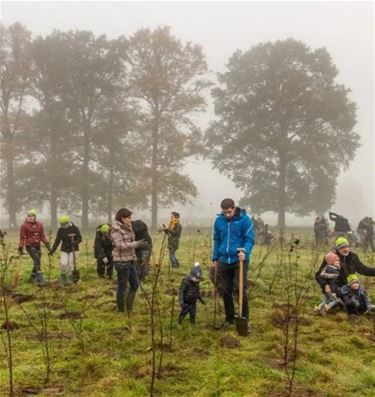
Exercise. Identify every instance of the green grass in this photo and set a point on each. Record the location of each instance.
(336, 355)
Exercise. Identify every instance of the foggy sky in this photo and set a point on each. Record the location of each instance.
(344, 28)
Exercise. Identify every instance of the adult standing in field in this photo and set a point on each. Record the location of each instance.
(143, 254)
(233, 229)
(321, 230)
(124, 258)
(365, 231)
(173, 231)
(31, 236)
(69, 236)
(103, 251)
(342, 226)
(349, 264)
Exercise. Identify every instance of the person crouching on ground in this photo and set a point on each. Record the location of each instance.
(330, 273)
(103, 251)
(355, 297)
(70, 237)
(124, 258)
(189, 294)
(349, 264)
(32, 235)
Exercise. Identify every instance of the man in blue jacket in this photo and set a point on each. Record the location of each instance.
(233, 229)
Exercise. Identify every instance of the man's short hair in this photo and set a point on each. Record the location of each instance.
(227, 203)
(175, 214)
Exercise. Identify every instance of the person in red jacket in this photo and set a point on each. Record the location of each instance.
(31, 236)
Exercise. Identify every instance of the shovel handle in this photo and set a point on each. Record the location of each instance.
(240, 288)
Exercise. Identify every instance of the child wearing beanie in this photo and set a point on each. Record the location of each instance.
(330, 273)
(355, 297)
(190, 293)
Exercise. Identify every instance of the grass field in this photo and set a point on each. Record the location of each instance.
(95, 351)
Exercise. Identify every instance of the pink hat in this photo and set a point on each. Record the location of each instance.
(331, 258)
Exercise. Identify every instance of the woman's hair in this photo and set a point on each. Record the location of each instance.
(122, 213)
(175, 214)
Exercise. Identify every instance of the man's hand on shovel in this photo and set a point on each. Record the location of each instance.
(241, 254)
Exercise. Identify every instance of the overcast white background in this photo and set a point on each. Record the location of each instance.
(344, 28)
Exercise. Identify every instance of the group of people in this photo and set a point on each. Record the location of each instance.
(342, 228)
(263, 235)
(125, 246)
(339, 282)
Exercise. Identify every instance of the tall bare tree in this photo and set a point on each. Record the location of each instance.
(285, 127)
(15, 77)
(167, 81)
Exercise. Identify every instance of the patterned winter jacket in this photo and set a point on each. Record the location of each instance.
(123, 241)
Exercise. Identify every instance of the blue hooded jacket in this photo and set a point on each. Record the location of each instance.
(230, 235)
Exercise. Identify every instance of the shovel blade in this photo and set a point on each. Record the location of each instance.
(76, 276)
(241, 326)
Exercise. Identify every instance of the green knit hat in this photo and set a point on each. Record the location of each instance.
(342, 242)
(64, 219)
(352, 278)
(104, 228)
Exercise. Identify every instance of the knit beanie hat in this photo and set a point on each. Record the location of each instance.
(196, 271)
(342, 242)
(352, 278)
(331, 258)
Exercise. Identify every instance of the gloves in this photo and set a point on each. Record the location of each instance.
(142, 244)
(20, 251)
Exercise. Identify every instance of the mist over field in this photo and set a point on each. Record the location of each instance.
(344, 29)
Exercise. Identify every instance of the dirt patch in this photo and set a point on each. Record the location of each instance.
(141, 372)
(70, 316)
(56, 306)
(198, 351)
(170, 370)
(107, 303)
(10, 325)
(171, 292)
(30, 390)
(88, 297)
(229, 342)
(21, 298)
(53, 391)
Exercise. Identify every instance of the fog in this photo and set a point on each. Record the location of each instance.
(344, 28)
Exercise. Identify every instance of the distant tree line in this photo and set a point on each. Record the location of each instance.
(90, 123)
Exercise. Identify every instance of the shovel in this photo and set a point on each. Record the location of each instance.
(241, 322)
(75, 272)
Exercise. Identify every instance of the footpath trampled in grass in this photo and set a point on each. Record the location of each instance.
(92, 350)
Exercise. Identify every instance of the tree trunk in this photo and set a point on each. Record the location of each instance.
(10, 194)
(85, 180)
(154, 169)
(281, 195)
(110, 196)
(53, 208)
(52, 172)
